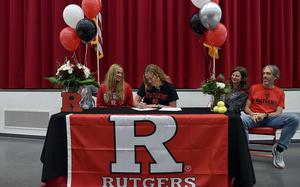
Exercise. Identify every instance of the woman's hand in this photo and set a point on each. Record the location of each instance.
(141, 105)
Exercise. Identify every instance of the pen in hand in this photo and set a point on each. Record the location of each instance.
(141, 104)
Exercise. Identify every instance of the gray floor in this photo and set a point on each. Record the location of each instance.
(20, 165)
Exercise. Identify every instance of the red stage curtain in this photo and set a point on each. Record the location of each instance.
(140, 32)
(260, 33)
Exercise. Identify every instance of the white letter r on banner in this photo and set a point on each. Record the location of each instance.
(125, 142)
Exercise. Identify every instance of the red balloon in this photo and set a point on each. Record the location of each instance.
(91, 8)
(217, 36)
(69, 39)
(215, 1)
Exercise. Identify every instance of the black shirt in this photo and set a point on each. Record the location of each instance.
(164, 95)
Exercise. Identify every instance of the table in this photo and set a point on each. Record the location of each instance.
(54, 153)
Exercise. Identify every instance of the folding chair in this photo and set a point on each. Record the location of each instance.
(260, 149)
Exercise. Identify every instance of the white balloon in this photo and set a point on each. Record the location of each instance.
(200, 3)
(72, 14)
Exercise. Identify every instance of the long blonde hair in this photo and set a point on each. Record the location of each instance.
(113, 86)
(157, 71)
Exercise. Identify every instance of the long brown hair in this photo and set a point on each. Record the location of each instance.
(112, 85)
(158, 72)
(244, 84)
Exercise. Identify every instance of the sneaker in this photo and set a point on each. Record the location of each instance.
(277, 158)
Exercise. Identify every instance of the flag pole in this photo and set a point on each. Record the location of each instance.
(98, 42)
(97, 52)
(98, 68)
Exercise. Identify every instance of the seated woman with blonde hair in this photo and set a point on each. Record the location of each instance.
(114, 92)
(157, 89)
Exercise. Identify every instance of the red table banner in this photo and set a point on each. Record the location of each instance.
(147, 150)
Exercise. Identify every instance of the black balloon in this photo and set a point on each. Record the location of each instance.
(196, 25)
(86, 30)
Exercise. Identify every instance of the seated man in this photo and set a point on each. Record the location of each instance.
(264, 108)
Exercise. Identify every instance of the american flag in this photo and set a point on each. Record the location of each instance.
(97, 43)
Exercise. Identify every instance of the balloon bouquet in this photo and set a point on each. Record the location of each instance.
(79, 28)
(207, 22)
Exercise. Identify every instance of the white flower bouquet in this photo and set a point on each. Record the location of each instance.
(72, 76)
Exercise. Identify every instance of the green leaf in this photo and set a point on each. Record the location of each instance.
(89, 82)
(53, 80)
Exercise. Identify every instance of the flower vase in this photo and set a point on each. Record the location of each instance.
(215, 99)
(72, 89)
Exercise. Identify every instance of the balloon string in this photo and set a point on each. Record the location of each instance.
(210, 67)
(214, 69)
(75, 58)
(86, 49)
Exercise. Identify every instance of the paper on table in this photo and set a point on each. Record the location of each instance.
(170, 109)
(143, 109)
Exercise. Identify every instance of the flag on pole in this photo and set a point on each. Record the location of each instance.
(97, 42)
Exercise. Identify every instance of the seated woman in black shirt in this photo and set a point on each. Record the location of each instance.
(157, 90)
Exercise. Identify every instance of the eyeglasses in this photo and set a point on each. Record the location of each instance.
(150, 77)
